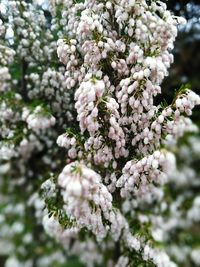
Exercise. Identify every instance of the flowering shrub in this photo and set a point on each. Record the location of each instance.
(109, 189)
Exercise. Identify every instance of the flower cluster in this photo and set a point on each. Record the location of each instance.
(138, 176)
(37, 120)
(85, 197)
(116, 57)
(87, 97)
(86, 148)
